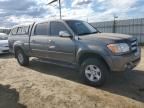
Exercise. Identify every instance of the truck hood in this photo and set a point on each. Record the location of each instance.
(106, 37)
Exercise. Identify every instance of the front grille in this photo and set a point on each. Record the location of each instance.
(6, 46)
(5, 51)
(134, 45)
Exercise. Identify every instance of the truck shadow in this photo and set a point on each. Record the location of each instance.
(129, 84)
(6, 56)
(9, 97)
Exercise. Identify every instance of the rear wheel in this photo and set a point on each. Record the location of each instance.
(22, 59)
(94, 71)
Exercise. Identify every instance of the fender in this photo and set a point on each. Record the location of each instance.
(99, 52)
(20, 45)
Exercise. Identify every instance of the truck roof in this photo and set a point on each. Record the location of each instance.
(58, 20)
(61, 20)
(27, 24)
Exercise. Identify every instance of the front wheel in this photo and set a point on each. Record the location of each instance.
(94, 71)
(22, 59)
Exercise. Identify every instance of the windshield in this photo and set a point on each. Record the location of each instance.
(81, 27)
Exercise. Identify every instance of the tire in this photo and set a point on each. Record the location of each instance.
(22, 59)
(94, 72)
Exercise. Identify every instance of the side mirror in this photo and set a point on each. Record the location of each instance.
(64, 34)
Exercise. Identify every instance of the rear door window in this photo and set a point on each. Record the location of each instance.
(23, 30)
(14, 31)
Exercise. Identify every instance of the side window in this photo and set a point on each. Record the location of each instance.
(41, 29)
(14, 31)
(19, 30)
(56, 27)
(23, 30)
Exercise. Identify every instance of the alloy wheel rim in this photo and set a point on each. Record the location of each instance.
(93, 73)
(20, 57)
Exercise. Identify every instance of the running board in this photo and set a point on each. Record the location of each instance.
(58, 63)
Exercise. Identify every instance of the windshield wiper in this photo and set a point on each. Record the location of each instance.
(95, 32)
(84, 33)
(89, 33)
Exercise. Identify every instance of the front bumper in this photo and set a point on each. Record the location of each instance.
(4, 50)
(125, 62)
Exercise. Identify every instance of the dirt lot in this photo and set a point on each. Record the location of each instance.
(48, 86)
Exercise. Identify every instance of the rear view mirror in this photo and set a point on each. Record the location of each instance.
(64, 34)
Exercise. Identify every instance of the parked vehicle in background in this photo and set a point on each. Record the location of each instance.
(75, 43)
(4, 43)
(5, 30)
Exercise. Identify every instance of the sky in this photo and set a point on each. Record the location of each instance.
(14, 12)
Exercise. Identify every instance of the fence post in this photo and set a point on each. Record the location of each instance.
(114, 24)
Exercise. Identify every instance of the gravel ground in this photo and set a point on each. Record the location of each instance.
(48, 86)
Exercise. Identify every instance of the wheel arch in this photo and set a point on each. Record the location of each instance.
(87, 55)
(17, 47)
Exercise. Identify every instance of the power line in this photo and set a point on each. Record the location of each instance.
(52, 2)
(59, 6)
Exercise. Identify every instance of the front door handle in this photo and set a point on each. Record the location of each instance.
(50, 41)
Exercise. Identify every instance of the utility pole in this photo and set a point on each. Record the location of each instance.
(60, 9)
(59, 6)
(114, 23)
(87, 18)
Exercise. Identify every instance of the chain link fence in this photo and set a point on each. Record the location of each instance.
(134, 27)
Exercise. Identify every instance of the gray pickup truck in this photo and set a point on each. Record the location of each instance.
(75, 43)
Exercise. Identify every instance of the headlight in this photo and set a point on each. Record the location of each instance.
(119, 48)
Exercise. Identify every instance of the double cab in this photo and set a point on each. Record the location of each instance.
(75, 43)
